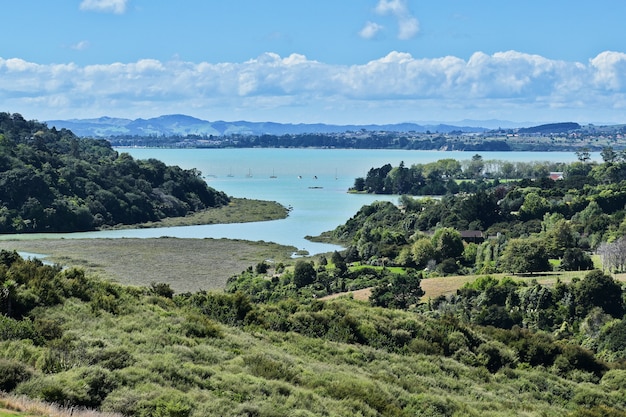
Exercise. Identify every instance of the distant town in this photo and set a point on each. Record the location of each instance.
(187, 132)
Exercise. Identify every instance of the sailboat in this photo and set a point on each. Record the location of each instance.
(249, 174)
(273, 175)
(230, 173)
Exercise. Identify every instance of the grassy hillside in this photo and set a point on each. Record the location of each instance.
(143, 352)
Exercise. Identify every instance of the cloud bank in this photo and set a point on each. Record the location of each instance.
(397, 86)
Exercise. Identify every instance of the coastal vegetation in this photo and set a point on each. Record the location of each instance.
(53, 181)
(534, 224)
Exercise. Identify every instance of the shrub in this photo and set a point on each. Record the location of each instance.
(495, 355)
(264, 366)
(161, 289)
(614, 380)
(114, 358)
(11, 329)
(82, 387)
(12, 373)
(198, 325)
(575, 357)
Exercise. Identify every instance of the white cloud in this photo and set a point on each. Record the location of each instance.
(370, 30)
(80, 46)
(408, 25)
(610, 70)
(106, 6)
(397, 86)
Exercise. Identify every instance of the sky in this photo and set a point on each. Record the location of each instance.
(316, 61)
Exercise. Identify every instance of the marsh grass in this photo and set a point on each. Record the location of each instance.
(187, 265)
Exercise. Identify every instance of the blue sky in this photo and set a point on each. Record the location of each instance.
(305, 61)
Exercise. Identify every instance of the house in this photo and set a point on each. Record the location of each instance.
(556, 176)
(472, 236)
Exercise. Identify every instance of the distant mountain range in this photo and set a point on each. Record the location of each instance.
(182, 125)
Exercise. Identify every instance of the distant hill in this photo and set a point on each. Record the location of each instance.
(182, 125)
(551, 128)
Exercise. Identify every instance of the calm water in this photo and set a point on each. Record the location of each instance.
(313, 182)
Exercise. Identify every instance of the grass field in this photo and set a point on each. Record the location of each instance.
(434, 287)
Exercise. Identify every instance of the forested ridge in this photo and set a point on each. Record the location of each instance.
(53, 181)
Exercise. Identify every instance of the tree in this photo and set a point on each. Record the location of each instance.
(525, 255)
(447, 243)
(401, 291)
(599, 290)
(339, 262)
(475, 167)
(534, 207)
(613, 255)
(422, 251)
(559, 237)
(583, 155)
(304, 274)
(575, 259)
(480, 209)
(608, 154)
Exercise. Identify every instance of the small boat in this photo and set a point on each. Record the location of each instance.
(273, 175)
(230, 173)
(249, 174)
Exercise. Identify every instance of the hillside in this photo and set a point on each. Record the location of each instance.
(53, 181)
(182, 125)
(143, 352)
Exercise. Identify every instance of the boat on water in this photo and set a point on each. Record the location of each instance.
(273, 174)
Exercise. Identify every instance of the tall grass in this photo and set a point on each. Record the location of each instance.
(28, 406)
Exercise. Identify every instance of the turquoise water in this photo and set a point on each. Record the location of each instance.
(313, 182)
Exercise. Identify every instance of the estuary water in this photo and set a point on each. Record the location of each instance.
(312, 182)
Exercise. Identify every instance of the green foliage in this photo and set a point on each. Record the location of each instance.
(400, 291)
(525, 255)
(303, 274)
(231, 309)
(162, 289)
(52, 181)
(13, 373)
(307, 357)
(574, 259)
(599, 290)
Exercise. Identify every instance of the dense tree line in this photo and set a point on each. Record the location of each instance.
(52, 181)
(513, 226)
(451, 176)
(347, 140)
